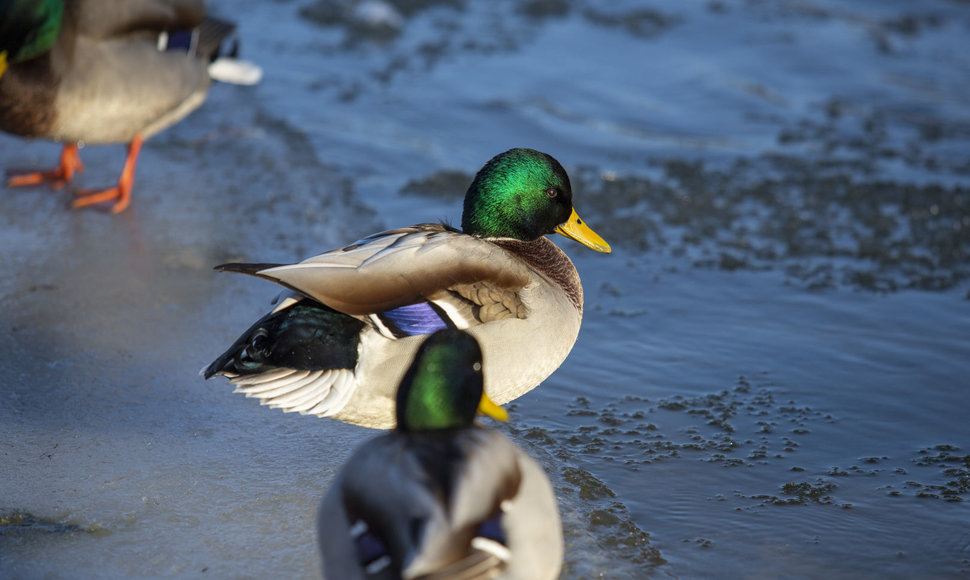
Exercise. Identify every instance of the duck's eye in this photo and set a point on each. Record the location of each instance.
(477, 367)
(552, 192)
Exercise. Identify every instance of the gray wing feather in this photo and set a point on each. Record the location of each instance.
(399, 268)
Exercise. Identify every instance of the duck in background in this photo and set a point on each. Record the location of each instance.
(440, 496)
(342, 339)
(107, 71)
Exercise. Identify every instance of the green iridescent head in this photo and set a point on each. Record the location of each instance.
(28, 28)
(524, 194)
(521, 194)
(443, 388)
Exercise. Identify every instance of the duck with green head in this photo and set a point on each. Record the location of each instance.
(345, 334)
(103, 71)
(340, 341)
(440, 496)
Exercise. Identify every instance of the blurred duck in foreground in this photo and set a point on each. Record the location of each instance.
(107, 71)
(440, 496)
(339, 342)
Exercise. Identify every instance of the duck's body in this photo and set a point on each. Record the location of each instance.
(103, 76)
(491, 486)
(337, 346)
(528, 314)
(104, 82)
(450, 499)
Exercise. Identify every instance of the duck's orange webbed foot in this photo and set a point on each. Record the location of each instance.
(121, 192)
(58, 177)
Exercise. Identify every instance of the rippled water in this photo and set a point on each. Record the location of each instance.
(771, 379)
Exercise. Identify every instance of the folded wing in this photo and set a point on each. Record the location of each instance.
(397, 268)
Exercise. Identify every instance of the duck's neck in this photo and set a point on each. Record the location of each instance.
(546, 258)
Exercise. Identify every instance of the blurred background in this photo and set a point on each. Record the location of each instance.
(771, 380)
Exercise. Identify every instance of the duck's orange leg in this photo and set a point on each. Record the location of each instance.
(122, 191)
(57, 177)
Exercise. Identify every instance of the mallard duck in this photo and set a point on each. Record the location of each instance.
(104, 71)
(339, 342)
(441, 497)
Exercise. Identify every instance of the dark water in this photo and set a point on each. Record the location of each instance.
(772, 376)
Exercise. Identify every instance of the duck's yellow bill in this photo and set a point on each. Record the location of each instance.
(487, 407)
(576, 229)
(3, 62)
